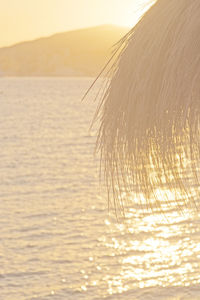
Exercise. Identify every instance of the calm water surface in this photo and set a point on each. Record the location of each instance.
(57, 239)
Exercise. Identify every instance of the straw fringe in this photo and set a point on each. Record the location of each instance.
(150, 113)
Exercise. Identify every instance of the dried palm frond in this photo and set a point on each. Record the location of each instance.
(149, 133)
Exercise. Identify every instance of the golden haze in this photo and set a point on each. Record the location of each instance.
(22, 20)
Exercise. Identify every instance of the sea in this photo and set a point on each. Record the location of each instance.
(58, 239)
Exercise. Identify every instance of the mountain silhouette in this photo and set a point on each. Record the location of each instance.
(80, 52)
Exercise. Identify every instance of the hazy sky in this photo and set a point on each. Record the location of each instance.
(28, 19)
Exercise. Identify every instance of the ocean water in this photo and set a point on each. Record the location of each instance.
(58, 240)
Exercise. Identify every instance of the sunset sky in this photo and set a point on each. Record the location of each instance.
(29, 19)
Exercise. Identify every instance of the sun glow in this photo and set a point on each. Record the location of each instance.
(135, 12)
(25, 21)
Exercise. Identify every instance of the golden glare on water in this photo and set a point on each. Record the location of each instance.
(150, 253)
(149, 250)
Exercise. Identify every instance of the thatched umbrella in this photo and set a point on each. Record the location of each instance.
(149, 136)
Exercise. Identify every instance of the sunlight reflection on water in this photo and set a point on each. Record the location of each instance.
(151, 253)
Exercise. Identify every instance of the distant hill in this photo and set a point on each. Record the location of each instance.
(80, 52)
